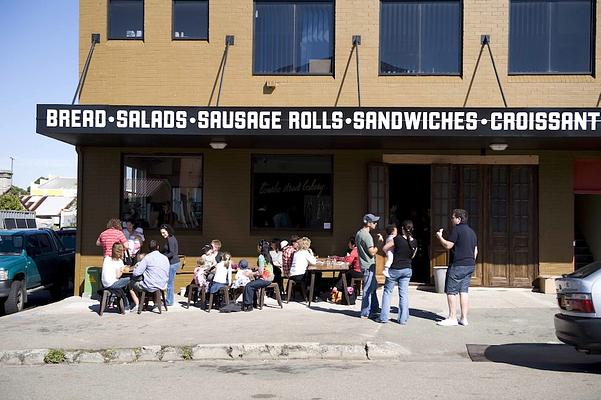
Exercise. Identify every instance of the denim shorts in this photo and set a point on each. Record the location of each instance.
(458, 279)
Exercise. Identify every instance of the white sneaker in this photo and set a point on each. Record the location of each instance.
(463, 322)
(448, 322)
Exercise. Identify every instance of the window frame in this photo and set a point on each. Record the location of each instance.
(108, 23)
(332, 73)
(593, 35)
(200, 227)
(261, 230)
(461, 36)
(179, 39)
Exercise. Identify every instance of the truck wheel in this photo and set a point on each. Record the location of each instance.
(16, 296)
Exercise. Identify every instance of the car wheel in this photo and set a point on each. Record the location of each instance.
(16, 298)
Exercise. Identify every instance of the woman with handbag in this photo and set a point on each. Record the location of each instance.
(263, 276)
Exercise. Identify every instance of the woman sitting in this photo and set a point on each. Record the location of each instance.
(303, 257)
(354, 271)
(112, 269)
(263, 277)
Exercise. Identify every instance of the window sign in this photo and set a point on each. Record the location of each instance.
(292, 192)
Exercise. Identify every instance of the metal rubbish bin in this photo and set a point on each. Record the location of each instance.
(440, 276)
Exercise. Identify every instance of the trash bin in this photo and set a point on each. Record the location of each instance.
(92, 282)
(440, 276)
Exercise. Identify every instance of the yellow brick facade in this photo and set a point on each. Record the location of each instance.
(161, 71)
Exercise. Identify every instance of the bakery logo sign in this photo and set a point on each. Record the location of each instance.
(318, 121)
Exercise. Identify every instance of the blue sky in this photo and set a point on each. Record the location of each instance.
(39, 48)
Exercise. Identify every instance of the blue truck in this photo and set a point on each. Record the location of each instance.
(32, 259)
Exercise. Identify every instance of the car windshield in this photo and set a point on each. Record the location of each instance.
(586, 270)
(10, 244)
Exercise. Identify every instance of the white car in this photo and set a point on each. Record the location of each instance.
(579, 298)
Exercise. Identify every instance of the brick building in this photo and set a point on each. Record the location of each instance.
(529, 183)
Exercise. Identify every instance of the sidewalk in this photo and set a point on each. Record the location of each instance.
(497, 316)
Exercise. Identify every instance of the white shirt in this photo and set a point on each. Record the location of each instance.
(276, 257)
(300, 262)
(389, 253)
(222, 273)
(109, 271)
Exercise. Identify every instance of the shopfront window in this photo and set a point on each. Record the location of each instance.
(162, 189)
(126, 19)
(292, 192)
(420, 37)
(191, 19)
(550, 37)
(293, 37)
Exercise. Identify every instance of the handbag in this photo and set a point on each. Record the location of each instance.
(267, 272)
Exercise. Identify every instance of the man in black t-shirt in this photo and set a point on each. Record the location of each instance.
(463, 243)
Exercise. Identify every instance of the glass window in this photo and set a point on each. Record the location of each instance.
(126, 19)
(420, 37)
(190, 19)
(292, 192)
(162, 190)
(44, 243)
(550, 36)
(293, 37)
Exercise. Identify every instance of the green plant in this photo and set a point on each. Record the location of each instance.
(186, 352)
(10, 201)
(55, 356)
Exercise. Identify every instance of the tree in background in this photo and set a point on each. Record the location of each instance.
(10, 201)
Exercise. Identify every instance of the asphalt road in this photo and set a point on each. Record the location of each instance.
(441, 379)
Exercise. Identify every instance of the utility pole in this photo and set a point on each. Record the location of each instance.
(12, 159)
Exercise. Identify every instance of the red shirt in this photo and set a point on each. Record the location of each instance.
(109, 237)
(353, 260)
(287, 255)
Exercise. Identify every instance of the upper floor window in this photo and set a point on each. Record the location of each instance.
(293, 37)
(420, 37)
(126, 19)
(550, 36)
(191, 19)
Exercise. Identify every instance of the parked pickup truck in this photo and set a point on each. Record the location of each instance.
(32, 259)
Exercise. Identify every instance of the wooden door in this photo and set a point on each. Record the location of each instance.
(496, 253)
(443, 198)
(471, 199)
(377, 199)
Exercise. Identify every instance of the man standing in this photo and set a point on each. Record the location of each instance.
(154, 267)
(288, 254)
(463, 243)
(367, 251)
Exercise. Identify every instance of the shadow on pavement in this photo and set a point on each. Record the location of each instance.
(348, 313)
(548, 357)
(429, 315)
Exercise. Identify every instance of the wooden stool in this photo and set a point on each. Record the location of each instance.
(226, 296)
(158, 300)
(276, 290)
(106, 295)
(193, 287)
(357, 284)
(289, 290)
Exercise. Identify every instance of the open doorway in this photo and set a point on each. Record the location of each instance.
(409, 191)
(587, 237)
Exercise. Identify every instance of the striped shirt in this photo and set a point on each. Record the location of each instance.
(108, 238)
(287, 256)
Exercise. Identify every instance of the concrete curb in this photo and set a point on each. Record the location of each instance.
(205, 352)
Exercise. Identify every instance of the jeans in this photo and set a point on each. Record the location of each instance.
(369, 302)
(400, 277)
(122, 283)
(173, 268)
(251, 288)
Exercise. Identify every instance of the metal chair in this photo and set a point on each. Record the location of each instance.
(276, 290)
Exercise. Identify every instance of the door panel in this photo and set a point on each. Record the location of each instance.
(471, 200)
(443, 196)
(497, 265)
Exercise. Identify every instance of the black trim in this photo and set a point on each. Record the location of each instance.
(108, 23)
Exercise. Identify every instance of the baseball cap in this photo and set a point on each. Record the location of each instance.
(283, 243)
(370, 218)
(243, 264)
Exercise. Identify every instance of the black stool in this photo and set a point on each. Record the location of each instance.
(291, 284)
(158, 299)
(107, 294)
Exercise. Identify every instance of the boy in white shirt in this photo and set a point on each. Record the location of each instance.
(391, 232)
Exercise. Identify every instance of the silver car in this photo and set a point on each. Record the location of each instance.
(579, 298)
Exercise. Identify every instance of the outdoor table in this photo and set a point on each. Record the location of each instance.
(328, 266)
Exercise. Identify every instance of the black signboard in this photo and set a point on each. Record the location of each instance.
(345, 121)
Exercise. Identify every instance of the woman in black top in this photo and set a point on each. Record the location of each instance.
(170, 250)
(405, 247)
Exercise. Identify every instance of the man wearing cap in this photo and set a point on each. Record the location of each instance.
(367, 251)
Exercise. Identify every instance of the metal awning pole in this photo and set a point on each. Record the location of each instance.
(356, 43)
(84, 72)
(229, 41)
(485, 41)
